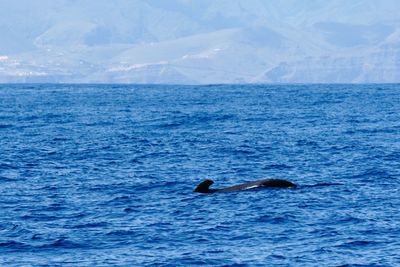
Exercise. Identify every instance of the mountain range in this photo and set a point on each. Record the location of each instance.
(200, 42)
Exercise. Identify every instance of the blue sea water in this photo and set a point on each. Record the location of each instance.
(104, 175)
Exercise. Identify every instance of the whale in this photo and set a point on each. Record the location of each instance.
(204, 187)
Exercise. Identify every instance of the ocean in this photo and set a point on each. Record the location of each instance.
(103, 175)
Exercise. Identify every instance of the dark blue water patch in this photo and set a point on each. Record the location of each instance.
(361, 265)
(63, 243)
(6, 179)
(91, 225)
(13, 245)
(120, 233)
(358, 243)
(6, 126)
(374, 173)
(104, 175)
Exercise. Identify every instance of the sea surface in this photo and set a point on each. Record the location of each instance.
(103, 175)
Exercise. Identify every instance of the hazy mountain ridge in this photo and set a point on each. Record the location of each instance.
(206, 41)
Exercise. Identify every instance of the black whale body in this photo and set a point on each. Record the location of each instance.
(204, 187)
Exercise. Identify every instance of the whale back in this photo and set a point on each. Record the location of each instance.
(204, 187)
(277, 183)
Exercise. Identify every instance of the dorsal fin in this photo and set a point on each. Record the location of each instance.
(204, 187)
